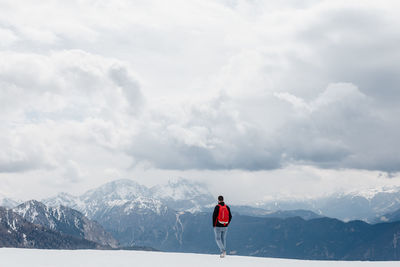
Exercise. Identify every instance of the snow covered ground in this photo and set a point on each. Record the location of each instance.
(11, 257)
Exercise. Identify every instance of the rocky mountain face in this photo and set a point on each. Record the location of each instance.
(142, 224)
(65, 220)
(15, 231)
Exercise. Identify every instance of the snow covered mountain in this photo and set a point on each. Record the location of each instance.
(141, 222)
(358, 205)
(15, 231)
(128, 210)
(62, 199)
(96, 202)
(178, 194)
(65, 220)
(139, 216)
(184, 195)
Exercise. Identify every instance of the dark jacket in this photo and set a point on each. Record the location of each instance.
(215, 215)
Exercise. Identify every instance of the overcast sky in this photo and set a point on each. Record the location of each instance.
(263, 98)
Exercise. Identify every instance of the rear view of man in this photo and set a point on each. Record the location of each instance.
(221, 218)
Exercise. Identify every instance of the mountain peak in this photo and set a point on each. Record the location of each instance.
(31, 203)
(370, 193)
(178, 194)
(62, 199)
(118, 190)
(31, 208)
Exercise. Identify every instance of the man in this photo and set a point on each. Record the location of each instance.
(221, 218)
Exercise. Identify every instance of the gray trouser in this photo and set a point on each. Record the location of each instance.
(220, 237)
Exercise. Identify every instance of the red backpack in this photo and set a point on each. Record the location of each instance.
(223, 215)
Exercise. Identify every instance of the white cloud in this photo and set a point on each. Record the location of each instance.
(72, 171)
(197, 86)
(62, 100)
(329, 131)
(294, 100)
(7, 37)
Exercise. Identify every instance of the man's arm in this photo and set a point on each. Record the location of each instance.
(215, 216)
(230, 214)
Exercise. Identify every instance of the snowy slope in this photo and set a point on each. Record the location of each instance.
(92, 258)
(62, 199)
(65, 220)
(178, 194)
(15, 231)
(94, 203)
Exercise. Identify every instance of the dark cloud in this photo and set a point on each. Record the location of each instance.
(357, 45)
(340, 128)
(129, 85)
(19, 166)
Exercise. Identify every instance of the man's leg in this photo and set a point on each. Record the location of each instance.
(223, 237)
(218, 236)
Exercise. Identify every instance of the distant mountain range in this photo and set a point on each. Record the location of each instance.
(178, 194)
(177, 217)
(367, 205)
(258, 212)
(294, 237)
(184, 195)
(137, 215)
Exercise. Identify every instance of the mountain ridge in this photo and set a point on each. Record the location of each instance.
(65, 220)
(15, 231)
(367, 205)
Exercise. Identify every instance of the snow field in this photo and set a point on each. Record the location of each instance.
(13, 257)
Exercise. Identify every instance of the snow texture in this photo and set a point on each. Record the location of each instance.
(12, 257)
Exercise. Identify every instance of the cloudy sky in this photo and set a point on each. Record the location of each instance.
(265, 98)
